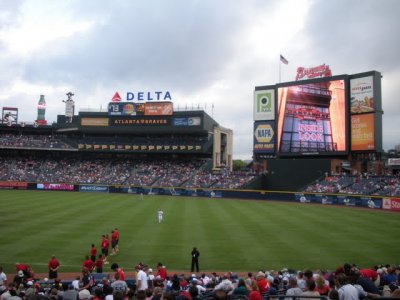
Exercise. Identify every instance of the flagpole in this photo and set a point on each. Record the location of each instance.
(281, 60)
(280, 63)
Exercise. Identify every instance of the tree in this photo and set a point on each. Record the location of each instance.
(238, 164)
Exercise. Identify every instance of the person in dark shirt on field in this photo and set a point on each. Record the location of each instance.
(195, 259)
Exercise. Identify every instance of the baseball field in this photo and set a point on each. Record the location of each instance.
(231, 235)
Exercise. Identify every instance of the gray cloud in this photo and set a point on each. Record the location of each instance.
(189, 47)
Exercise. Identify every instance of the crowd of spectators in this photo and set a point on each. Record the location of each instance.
(221, 179)
(363, 184)
(345, 283)
(160, 173)
(32, 141)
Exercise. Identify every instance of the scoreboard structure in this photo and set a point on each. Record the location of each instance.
(329, 116)
(336, 117)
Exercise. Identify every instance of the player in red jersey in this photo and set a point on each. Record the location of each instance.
(93, 253)
(53, 266)
(114, 242)
(88, 264)
(117, 239)
(99, 264)
(105, 244)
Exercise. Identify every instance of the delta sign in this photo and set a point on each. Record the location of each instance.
(143, 96)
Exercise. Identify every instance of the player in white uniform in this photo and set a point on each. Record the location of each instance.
(160, 214)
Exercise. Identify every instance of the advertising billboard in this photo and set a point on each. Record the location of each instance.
(264, 105)
(158, 109)
(362, 95)
(264, 137)
(187, 121)
(312, 117)
(362, 132)
(10, 115)
(122, 109)
(391, 204)
(55, 186)
(94, 122)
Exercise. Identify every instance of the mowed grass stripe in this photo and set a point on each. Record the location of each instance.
(235, 235)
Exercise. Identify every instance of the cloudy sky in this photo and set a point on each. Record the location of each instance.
(207, 53)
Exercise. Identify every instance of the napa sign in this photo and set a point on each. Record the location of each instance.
(143, 96)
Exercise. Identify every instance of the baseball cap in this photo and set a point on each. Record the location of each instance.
(84, 294)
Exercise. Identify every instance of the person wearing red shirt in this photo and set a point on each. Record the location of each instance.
(321, 287)
(369, 273)
(21, 267)
(119, 271)
(93, 253)
(88, 264)
(114, 242)
(28, 272)
(262, 283)
(117, 239)
(99, 264)
(161, 272)
(53, 266)
(105, 244)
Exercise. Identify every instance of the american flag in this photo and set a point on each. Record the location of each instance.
(284, 60)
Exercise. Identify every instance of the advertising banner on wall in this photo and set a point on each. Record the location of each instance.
(187, 121)
(13, 185)
(264, 105)
(94, 122)
(393, 162)
(362, 132)
(370, 202)
(158, 109)
(264, 137)
(55, 186)
(362, 95)
(391, 204)
(94, 188)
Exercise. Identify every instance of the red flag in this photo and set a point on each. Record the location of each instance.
(284, 60)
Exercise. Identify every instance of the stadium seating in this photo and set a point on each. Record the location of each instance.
(358, 185)
(150, 172)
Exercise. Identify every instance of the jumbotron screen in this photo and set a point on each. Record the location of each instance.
(312, 117)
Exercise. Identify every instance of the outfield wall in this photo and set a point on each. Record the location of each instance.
(372, 202)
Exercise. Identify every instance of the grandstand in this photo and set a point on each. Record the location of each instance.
(187, 149)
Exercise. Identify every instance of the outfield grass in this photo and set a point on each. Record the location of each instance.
(234, 235)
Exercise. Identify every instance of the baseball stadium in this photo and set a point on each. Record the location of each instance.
(319, 201)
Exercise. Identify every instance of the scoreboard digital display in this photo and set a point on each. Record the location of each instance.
(122, 109)
(312, 117)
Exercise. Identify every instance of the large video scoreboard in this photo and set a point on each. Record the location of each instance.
(320, 117)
